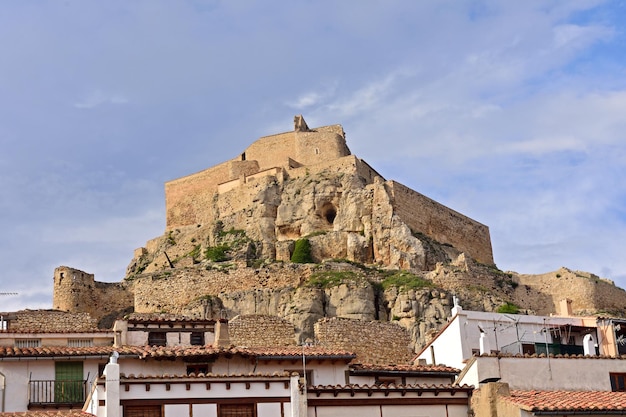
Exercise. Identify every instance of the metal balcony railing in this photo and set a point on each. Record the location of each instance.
(54, 392)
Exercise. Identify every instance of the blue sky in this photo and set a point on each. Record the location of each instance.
(513, 113)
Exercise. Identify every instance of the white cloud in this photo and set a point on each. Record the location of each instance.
(98, 97)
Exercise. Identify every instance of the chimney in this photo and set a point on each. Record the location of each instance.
(112, 387)
(221, 334)
(484, 401)
(565, 307)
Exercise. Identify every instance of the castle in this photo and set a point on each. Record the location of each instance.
(220, 191)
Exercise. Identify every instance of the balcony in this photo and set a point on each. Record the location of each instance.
(57, 394)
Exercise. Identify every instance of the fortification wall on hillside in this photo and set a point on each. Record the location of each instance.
(171, 291)
(587, 292)
(441, 223)
(76, 291)
(373, 342)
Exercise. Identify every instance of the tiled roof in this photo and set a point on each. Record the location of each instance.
(568, 401)
(164, 318)
(56, 413)
(141, 377)
(390, 388)
(408, 369)
(318, 352)
(170, 352)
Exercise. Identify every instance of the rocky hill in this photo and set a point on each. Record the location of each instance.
(364, 264)
(298, 228)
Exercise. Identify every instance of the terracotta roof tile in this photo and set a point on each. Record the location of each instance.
(405, 368)
(164, 318)
(169, 352)
(568, 400)
(391, 388)
(297, 352)
(131, 377)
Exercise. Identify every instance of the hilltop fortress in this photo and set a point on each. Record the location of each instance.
(229, 188)
(379, 251)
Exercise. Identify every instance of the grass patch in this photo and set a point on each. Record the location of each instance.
(405, 280)
(327, 279)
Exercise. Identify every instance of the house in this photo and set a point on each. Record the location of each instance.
(49, 358)
(470, 333)
(283, 381)
(171, 365)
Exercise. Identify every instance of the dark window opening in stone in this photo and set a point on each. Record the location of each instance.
(243, 156)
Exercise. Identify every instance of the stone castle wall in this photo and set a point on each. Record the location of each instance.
(586, 291)
(260, 331)
(441, 223)
(374, 342)
(76, 291)
(171, 291)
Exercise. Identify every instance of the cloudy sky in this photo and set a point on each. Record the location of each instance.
(513, 113)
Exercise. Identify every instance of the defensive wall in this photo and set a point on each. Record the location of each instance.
(78, 292)
(587, 292)
(441, 223)
(188, 200)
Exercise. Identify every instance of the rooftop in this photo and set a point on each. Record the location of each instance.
(568, 401)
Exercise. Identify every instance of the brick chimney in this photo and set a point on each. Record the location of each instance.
(565, 307)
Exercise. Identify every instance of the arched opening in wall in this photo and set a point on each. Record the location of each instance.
(243, 156)
(329, 212)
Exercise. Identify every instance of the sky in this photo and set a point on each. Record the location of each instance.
(512, 113)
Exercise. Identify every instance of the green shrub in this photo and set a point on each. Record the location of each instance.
(216, 253)
(302, 252)
(509, 308)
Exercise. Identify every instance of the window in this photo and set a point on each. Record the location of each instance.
(235, 410)
(143, 411)
(157, 339)
(528, 348)
(197, 338)
(80, 342)
(199, 368)
(27, 343)
(618, 381)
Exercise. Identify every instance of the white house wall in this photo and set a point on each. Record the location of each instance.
(19, 373)
(585, 374)
(449, 346)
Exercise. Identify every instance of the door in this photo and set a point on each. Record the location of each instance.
(69, 386)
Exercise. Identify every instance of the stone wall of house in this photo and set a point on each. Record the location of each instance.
(261, 331)
(50, 321)
(441, 223)
(373, 342)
